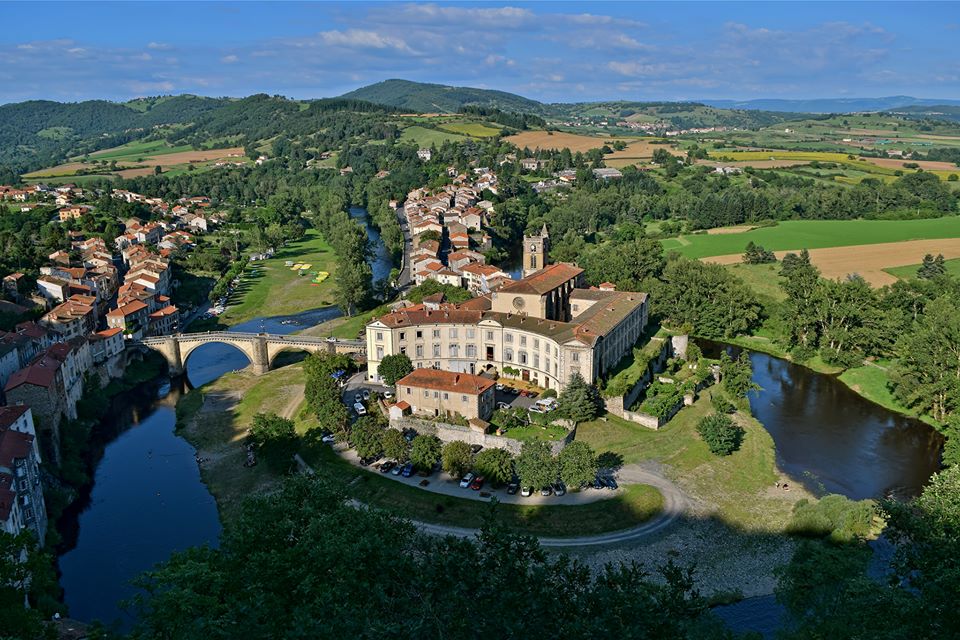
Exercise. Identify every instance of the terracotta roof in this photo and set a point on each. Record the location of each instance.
(403, 405)
(109, 333)
(545, 280)
(131, 307)
(446, 381)
(10, 414)
(14, 445)
(40, 373)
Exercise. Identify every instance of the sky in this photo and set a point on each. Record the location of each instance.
(550, 51)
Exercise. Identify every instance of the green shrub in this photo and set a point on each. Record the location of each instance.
(721, 434)
(834, 517)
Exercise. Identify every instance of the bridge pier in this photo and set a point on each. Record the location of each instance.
(260, 359)
(170, 349)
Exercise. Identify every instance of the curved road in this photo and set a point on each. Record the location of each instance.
(674, 504)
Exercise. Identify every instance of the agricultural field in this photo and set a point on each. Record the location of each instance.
(561, 140)
(909, 271)
(472, 129)
(875, 167)
(425, 137)
(140, 158)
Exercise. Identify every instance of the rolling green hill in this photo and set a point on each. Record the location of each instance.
(422, 97)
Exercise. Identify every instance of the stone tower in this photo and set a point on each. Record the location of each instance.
(535, 250)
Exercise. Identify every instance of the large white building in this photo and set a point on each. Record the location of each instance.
(541, 329)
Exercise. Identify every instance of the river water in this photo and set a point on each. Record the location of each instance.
(146, 499)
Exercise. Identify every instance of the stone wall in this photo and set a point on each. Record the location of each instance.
(450, 432)
(619, 406)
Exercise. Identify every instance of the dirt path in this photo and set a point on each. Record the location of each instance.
(296, 398)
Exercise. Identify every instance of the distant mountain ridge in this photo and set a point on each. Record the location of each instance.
(832, 105)
(422, 97)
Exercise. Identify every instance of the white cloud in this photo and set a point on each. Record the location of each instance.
(361, 38)
(158, 46)
(230, 59)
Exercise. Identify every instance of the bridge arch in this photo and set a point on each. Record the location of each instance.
(215, 359)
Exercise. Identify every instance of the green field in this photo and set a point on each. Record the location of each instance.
(815, 234)
(910, 271)
(133, 150)
(473, 129)
(272, 289)
(426, 137)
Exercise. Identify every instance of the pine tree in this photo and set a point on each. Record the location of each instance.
(579, 401)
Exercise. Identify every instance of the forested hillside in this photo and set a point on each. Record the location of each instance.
(422, 97)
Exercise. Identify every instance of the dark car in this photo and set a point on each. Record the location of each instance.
(546, 491)
(386, 466)
(512, 488)
(559, 488)
(475, 448)
(598, 483)
(407, 470)
(610, 483)
(477, 483)
(365, 462)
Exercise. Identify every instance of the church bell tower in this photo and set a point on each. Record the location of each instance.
(535, 249)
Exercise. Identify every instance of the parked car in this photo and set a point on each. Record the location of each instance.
(514, 390)
(502, 405)
(559, 488)
(526, 492)
(546, 491)
(365, 462)
(386, 466)
(477, 483)
(547, 404)
(532, 394)
(397, 470)
(499, 387)
(523, 393)
(598, 483)
(358, 398)
(366, 394)
(476, 448)
(466, 480)
(360, 409)
(407, 470)
(537, 409)
(512, 488)
(328, 439)
(610, 482)
(388, 395)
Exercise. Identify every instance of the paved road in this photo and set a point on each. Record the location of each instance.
(674, 504)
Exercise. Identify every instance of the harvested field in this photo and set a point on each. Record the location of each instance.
(560, 140)
(165, 160)
(642, 149)
(722, 230)
(926, 165)
(867, 260)
(135, 173)
(756, 164)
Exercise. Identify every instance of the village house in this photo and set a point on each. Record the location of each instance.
(22, 505)
(106, 344)
(74, 318)
(73, 212)
(440, 393)
(424, 154)
(131, 318)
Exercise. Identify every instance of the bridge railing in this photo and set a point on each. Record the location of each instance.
(238, 335)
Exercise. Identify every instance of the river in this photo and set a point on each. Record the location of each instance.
(146, 499)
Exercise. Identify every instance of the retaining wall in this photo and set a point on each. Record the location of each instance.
(449, 432)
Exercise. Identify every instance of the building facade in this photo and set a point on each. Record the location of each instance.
(444, 393)
(21, 494)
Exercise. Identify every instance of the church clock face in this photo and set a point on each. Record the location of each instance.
(518, 302)
(533, 247)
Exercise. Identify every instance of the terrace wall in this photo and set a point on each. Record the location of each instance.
(450, 432)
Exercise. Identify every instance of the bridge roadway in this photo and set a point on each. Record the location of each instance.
(260, 348)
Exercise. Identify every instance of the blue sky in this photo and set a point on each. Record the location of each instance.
(551, 51)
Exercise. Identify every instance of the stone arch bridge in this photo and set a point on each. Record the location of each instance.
(260, 348)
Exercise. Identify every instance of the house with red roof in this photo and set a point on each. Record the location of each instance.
(22, 505)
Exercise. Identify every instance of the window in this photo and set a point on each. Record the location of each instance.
(403, 336)
(436, 394)
(489, 335)
(508, 355)
(454, 351)
(523, 357)
(523, 341)
(436, 351)
(408, 390)
(463, 398)
(446, 396)
(419, 334)
(575, 356)
(436, 333)
(536, 344)
(576, 308)
(379, 336)
(419, 350)
(536, 360)
(379, 353)
(471, 333)
(508, 338)
(471, 351)
(452, 333)
(403, 350)
(426, 394)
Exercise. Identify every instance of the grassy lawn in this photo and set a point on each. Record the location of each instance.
(346, 328)
(472, 129)
(426, 137)
(764, 279)
(133, 150)
(736, 485)
(277, 290)
(814, 234)
(910, 271)
(535, 432)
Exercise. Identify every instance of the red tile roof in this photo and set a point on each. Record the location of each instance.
(10, 414)
(446, 381)
(545, 280)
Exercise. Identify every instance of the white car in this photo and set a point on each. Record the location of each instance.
(360, 409)
(358, 398)
(537, 409)
(466, 480)
(328, 439)
(366, 394)
(526, 492)
(388, 395)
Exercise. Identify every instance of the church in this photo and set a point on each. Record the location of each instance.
(541, 329)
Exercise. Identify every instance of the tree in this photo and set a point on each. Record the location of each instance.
(495, 464)
(578, 401)
(578, 464)
(25, 572)
(536, 465)
(755, 254)
(366, 436)
(394, 367)
(322, 393)
(457, 458)
(283, 541)
(275, 437)
(157, 170)
(736, 376)
(425, 451)
(395, 445)
(932, 268)
(720, 433)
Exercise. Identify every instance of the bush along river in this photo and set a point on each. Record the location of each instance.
(831, 440)
(146, 499)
